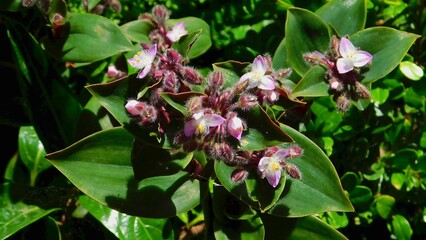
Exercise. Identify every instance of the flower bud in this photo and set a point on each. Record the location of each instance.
(239, 175)
(293, 171)
(284, 73)
(148, 115)
(247, 101)
(194, 104)
(160, 14)
(240, 86)
(215, 80)
(315, 58)
(343, 103)
(191, 75)
(295, 151)
(361, 91)
(173, 57)
(170, 82)
(135, 107)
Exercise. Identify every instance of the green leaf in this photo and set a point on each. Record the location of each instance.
(90, 38)
(298, 228)
(242, 229)
(280, 59)
(101, 167)
(349, 181)
(44, 92)
(312, 84)
(388, 47)
(384, 205)
(397, 180)
(347, 17)
(16, 216)
(305, 32)
(411, 70)
(137, 31)
(361, 197)
(319, 181)
(11, 5)
(32, 152)
(401, 228)
(231, 71)
(124, 226)
(336, 219)
(226, 207)
(194, 24)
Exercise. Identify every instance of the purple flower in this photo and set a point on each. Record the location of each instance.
(177, 32)
(257, 77)
(351, 57)
(235, 127)
(143, 60)
(135, 107)
(271, 168)
(201, 122)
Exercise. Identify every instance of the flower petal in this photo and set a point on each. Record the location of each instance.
(246, 76)
(235, 127)
(282, 154)
(189, 128)
(346, 48)
(213, 120)
(267, 83)
(273, 178)
(152, 51)
(362, 58)
(134, 107)
(344, 65)
(259, 65)
(144, 71)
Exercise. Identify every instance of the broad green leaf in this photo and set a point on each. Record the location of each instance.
(44, 92)
(169, 98)
(32, 152)
(312, 84)
(401, 228)
(249, 229)
(184, 45)
(280, 59)
(124, 226)
(101, 167)
(305, 32)
(194, 24)
(347, 17)
(388, 47)
(319, 181)
(384, 205)
(226, 207)
(379, 95)
(137, 31)
(231, 71)
(15, 216)
(411, 70)
(298, 228)
(91, 38)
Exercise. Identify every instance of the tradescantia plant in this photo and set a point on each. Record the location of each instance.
(222, 141)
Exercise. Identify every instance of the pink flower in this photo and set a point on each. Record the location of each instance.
(135, 107)
(271, 168)
(235, 127)
(177, 32)
(201, 122)
(351, 57)
(257, 77)
(143, 60)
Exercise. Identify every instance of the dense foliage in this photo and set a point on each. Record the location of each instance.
(175, 119)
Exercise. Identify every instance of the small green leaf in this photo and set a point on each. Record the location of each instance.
(305, 32)
(137, 31)
(124, 226)
(203, 41)
(411, 70)
(401, 228)
(100, 166)
(361, 197)
(347, 17)
(388, 47)
(249, 229)
(384, 205)
(349, 181)
(312, 84)
(397, 180)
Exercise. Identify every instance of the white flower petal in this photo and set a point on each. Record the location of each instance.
(344, 65)
(362, 58)
(346, 48)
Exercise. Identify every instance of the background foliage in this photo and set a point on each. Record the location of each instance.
(378, 151)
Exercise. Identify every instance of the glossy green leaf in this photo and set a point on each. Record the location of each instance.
(384, 205)
(44, 92)
(32, 152)
(92, 37)
(397, 180)
(401, 228)
(336, 219)
(239, 229)
(15, 216)
(349, 181)
(319, 181)
(411, 70)
(347, 17)
(101, 167)
(305, 32)
(231, 71)
(388, 47)
(298, 228)
(124, 226)
(312, 84)
(361, 197)
(194, 24)
(138, 30)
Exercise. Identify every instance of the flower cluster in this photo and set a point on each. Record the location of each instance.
(344, 63)
(212, 120)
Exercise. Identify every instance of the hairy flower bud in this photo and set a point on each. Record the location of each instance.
(361, 91)
(239, 175)
(173, 58)
(247, 101)
(215, 79)
(293, 171)
(170, 82)
(191, 75)
(194, 104)
(161, 14)
(343, 103)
